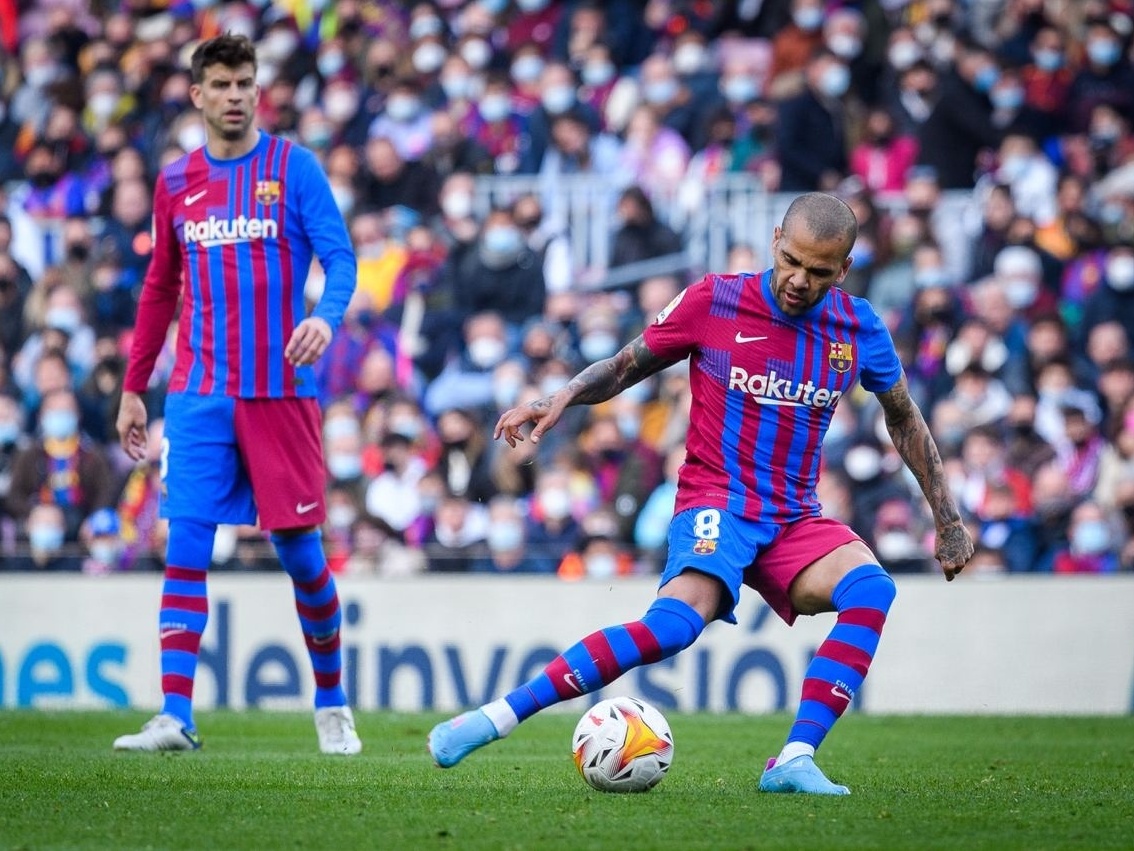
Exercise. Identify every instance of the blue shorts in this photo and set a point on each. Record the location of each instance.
(763, 556)
(228, 460)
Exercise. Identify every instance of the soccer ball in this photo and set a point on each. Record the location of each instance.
(622, 745)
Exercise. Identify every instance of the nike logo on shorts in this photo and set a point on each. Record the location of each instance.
(304, 507)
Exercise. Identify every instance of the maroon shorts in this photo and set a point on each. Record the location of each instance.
(797, 547)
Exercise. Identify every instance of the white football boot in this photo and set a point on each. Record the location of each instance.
(335, 726)
(160, 733)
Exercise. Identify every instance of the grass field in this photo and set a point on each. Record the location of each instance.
(919, 783)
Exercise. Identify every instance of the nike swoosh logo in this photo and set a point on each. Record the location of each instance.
(300, 508)
(570, 680)
(837, 692)
(167, 633)
(190, 200)
(740, 338)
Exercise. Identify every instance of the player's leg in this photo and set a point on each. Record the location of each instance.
(201, 478)
(849, 581)
(697, 586)
(281, 440)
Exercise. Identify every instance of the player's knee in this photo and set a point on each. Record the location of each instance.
(190, 543)
(674, 623)
(868, 585)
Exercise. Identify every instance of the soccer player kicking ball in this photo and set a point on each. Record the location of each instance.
(236, 224)
(770, 357)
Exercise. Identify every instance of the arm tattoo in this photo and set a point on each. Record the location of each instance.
(605, 379)
(915, 444)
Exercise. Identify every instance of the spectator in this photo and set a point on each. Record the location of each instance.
(1115, 299)
(557, 97)
(507, 552)
(458, 536)
(812, 137)
(641, 236)
(551, 527)
(100, 534)
(393, 181)
(502, 275)
(47, 547)
(1106, 77)
(1092, 546)
(882, 159)
(404, 122)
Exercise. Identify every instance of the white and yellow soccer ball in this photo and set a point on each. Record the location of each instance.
(622, 745)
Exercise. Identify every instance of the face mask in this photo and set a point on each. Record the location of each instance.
(486, 352)
(9, 433)
(986, 78)
(1020, 292)
(809, 19)
(59, 425)
(493, 7)
(931, 278)
(738, 90)
(344, 199)
(531, 6)
(340, 106)
(505, 392)
(423, 26)
(104, 552)
(660, 91)
(601, 565)
(1049, 60)
(558, 99)
(598, 73)
(402, 108)
(477, 53)
(629, 426)
(192, 137)
(344, 466)
(1103, 51)
(503, 240)
(504, 537)
(552, 384)
(903, 54)
(63, 318)
(527, 68)
(895, 545)
(688, 59)
(457, 205)
(835, 81)
(495, 108)
(1013, 168)
(317, 136)
(1120, 273)
(45, 539)
(862, 463)
(1090, 538)
(330, 63)
(455, 88)
(407, 427)
(278, 46)
(1007, 98)
(102, 105)
(844, 45)
(337, 428)
(597, 345)
(555, 503)
(428, 58)
(40, 76)
(341, 516)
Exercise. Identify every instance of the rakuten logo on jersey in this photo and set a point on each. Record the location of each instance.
(214, 231)
(770, 389)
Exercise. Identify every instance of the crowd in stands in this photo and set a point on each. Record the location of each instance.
(1015, 318)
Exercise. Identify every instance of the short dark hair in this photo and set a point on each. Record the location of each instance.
(825, 217)
(226, 49)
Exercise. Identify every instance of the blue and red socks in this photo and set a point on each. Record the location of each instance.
(862, 599)
(317, 603)
(184, 613)
(668, 627)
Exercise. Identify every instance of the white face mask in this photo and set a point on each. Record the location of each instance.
(104, 552)
(428, 58)
(477, 53)
(344, 466)
(689, 58)
(341, 516)
(862, 463)
(457, 205)
(558, 99)
(425, 25)
(903, 54)
(340, 106)
(192, 137)
(402, 108)
(527, 68)
(601, 565)
(555, 503)
(504, 537)
(102, 105)
(1120, 273)
(486, 352)
(845, 45)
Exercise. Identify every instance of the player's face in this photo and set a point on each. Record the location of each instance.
(227, 98)
(805, 268)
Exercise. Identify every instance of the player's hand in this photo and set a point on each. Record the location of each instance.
(954, 548)
(131, 425)
(308, 341)
(543, 412)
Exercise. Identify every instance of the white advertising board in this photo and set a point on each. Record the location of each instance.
(1032, 645)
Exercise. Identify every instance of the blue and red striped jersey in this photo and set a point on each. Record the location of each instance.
(234, 241)
(764, 386)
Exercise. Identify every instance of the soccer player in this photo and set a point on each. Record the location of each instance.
(235, 226)
(770, 357)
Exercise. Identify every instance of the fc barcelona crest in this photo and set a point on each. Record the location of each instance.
(841, 357)
(705, 546)
(267, 192)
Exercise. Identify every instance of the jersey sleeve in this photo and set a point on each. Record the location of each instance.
(161, 290)
(676, 332)
(881, 367)
(325, 228)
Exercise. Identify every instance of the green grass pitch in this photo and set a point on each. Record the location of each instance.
(259, 783)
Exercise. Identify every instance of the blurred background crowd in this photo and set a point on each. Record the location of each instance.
(526, 183)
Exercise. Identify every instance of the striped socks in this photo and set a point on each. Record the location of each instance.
(184, 613)
(317, 603)
(862, 598)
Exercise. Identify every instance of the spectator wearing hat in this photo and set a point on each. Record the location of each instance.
(101, 535)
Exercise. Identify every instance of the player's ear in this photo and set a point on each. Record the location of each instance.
(195, 94)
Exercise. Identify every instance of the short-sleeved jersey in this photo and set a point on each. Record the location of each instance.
(234, 240)
(764, 386)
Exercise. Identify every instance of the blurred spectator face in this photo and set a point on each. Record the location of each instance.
(496, 103)
(1007, 93)
(829, 76)
(457, 196)
(739, 83)
(1078, 426)
(655, 293)
(1102, 46)
(643, 128)
(63, 310)
(376, 374)
(429, 55)
(103, 538)
(59, 416)
(475, 50)
(922, 193)
(501, 241)
(1089, 533)
(929, 270)
(1116, 383)
(527, 66)
(456, 77)
(1120, 268)
(128, 165)
(455, 428)
(45, 530)
(741, 258)
(342, 440)
(382, 158)
(1048, 49)
(368, 235)
(131, 204)
(11, 422)
(404, 104)
(340, 102)
(658, 80)
(553, 494)
(506, 526)
(570, 135)
(598, 67)
(1107, 342)
(1047, 339)
(990, 303)
(485, 340)
(557, 88)
(405, 419)
(527, 213)
(315, 129)
(879, 128)
(586, 28)
(43, 167)
(843, 32)
(903, 49)
(104, 90)
(507, 380)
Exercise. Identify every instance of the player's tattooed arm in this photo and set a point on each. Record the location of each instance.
(605, 379)
(912, 439)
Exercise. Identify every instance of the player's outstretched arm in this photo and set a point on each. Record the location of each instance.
(600, 381)
(915, 444)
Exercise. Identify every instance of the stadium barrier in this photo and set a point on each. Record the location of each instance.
(1031, 645)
